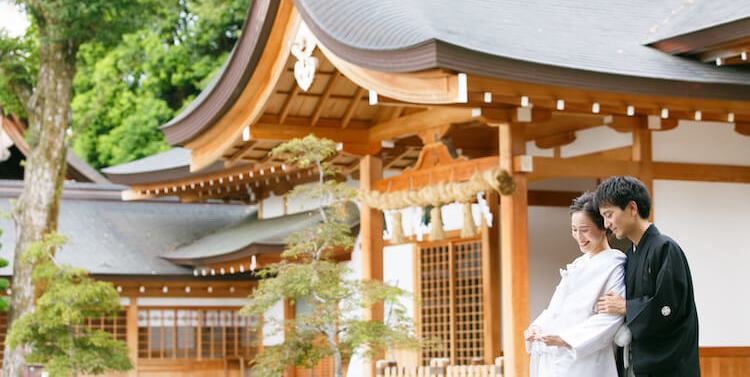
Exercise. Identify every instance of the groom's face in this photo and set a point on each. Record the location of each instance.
(617, 220)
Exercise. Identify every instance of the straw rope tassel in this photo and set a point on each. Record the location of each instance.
(469, 230)
(397, 233)
(436, 224)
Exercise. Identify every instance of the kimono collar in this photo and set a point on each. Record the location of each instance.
(650, 232)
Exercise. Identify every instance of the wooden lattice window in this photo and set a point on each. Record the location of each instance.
(115, 325)
(189, 333)
(451, 297)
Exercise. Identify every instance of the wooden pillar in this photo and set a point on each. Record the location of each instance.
(131, 334)
(491, 279)
(290, 313)
(643, 154)
(514, 254)
(371, 231)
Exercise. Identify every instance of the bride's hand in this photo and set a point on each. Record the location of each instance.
(554, 340)
(533, 333)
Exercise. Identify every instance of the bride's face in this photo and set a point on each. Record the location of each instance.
(585, 232)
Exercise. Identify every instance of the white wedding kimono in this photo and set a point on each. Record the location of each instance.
(572, 316)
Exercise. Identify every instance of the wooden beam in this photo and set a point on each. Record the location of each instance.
(514, 254)
(508, 92)
(563, 123)
(290, 313)
(352, 107)
(396, 113)
(131, 334)
(15, 131)
(305, 122)
(426, 87)
(415, 123)
(402, 152)
(288, 103)
(579, 167)
(491, 281)
(323, 99)
(643, 155)
(371, 230)
(742, 128)
(558, 140)
(284, 132)
(244, 149)
(701, 172)
(247, 109)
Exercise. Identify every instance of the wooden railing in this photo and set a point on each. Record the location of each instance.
(439, 368)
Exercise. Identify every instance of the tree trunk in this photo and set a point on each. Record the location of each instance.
(337, 364)
(35, 213)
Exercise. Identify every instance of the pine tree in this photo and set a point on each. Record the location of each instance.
(55, 332)
(333, 327)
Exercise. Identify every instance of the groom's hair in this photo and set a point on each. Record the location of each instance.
(585, 204)
(619, 191)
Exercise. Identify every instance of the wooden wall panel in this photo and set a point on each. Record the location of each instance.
(725, 361)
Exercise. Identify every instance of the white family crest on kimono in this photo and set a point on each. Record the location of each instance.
(572, 316)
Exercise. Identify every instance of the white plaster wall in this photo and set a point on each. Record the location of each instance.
(710, 222)
(564, 184)
(551, 248)
(273, 334)
(702, 142)
(596, 139)
(299, 203)
(398, 271)
(533, 150)
(273, 206)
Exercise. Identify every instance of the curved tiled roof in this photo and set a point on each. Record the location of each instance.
(168, 165)
(595, 45)
(243, 236)
(695, 16)
(223, 90)
(109, 237)
(589, 44)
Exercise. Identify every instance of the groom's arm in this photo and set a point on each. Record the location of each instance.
(649, 316)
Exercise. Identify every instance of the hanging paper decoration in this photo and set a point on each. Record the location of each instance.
(484, 209)
(302, 49)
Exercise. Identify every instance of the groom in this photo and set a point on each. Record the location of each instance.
(659, 307)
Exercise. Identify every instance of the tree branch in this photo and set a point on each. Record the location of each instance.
(23, 91)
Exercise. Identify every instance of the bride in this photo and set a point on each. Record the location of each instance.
(569, 338)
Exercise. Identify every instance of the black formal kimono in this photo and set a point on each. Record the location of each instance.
(660, 308)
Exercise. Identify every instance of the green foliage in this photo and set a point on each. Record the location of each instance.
(19, 63)
(124, 93)
(152, 60)
(333, 327)
(55, 330)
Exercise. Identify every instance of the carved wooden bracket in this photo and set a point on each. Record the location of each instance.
(434, 155)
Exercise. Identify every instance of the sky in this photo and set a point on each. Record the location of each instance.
(11, 19)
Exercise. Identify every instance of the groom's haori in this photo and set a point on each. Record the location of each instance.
(661, 309)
